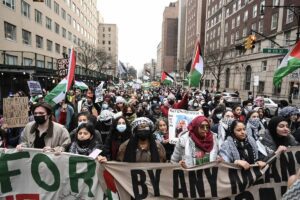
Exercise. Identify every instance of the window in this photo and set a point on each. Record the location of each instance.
(74, 23)
(234, 7)
(226, 27)
(258, 44)
(246, 15)
(248, 77)
(227, 78)
(64, 32)
(103, 42)
(73, 7)
(289, 15)
(64, 50)
(26, 35)
(49, 65)
(233, 23)
(40, 63)
(48, 3)
(244, 32)
(57, 28)
(109, 42)
(74, 39)
(261, 86)
(9, 3)
(11, 60)
(261, 26)
(254, 11)
(48, 23)
(69, 36)
(63, 14)
(253, 26)
(39, 41)
(239, 4)
(109, 29)
(27, 61)
(57, 48)
(237, 35)
(10, 31)
(49, 45)
(56, 8)
(275, 2)
(25, 9)
(238, 18)
(287, 38)
(264, 65)
(38, 17)
(274, 22)
(69, 19)
(232, 39)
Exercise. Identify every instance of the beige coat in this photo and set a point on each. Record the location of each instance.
(57, 136)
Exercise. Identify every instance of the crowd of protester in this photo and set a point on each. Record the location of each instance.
(132, 126)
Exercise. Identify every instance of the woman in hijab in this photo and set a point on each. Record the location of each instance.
(197, 146)
(120, 132)
(239, 148)
(142, 146)
(279, 137)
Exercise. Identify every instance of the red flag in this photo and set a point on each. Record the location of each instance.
(71, 69)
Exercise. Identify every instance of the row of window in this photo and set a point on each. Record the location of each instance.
(10, 32)
(25, 10)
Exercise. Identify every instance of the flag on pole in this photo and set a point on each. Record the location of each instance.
(58, 93)
(81, 85)
(71, 69)
(166, 78)
(196, 68)
(290, 63)
(122, 69)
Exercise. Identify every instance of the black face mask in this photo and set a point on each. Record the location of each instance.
(84, 143)
(143, 134)
(171, 102)
(40, 119)
(129, 114)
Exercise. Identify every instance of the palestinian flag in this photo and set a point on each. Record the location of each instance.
(166, 78)
(57, 94)
(81, 85)
(196, 68)
(290, 63)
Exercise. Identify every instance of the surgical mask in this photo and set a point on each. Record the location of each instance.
(82, 122)
(40, 119)
(228, 121)
(107, 122)
(196, 105)
(121, 127)
(254, 122)
(249, 108)
(219, 115)
(154, 102)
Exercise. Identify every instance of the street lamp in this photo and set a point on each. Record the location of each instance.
(292, 9)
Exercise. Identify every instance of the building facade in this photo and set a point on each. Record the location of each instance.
(228, 24)
(169, 37)
(158, 70)
(108, 41)
(35, 34)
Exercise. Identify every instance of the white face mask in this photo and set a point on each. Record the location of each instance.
(121, 127)
(104, 106)
(219, 115)
(249, 108)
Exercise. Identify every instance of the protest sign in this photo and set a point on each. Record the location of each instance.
(179, 120)
(33, 175)
(34, 88)
(213, 180)
(15, 111)
(62, 67)
(99, 92)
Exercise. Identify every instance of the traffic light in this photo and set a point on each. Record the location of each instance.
(249, 42)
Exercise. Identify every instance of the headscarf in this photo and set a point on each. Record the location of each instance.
(272, 126)
(205, 144)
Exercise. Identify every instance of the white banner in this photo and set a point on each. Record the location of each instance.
(32, 175)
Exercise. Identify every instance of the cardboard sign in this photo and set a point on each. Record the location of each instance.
(62, 67)
(15, 111)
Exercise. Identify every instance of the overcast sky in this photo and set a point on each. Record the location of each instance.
(139, 24)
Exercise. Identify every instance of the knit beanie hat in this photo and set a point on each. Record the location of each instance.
(120, 99)
(142, 123)
(288, 111)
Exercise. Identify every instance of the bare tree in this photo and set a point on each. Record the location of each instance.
(215, 63)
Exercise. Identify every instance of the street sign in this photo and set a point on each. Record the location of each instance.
(256, 81)
(275, 51)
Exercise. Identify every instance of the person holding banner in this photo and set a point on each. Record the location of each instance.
(197, 146)
(142, 146)
(85, 141)
(240, 148)
(43, 133)
(278, 137)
